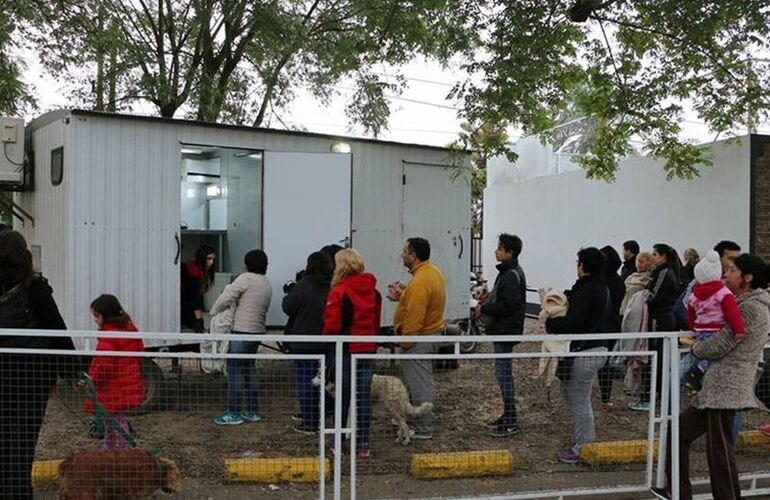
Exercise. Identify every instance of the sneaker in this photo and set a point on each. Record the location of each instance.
(765, 429)
(229, 418)
(94, 432)
(494, 424)
(251, 416)
(364, 452)
(504, 430)
(297, 417)
(568, 456)
(661, 493)
(607, 408)
(640, 406)
(418, 434)
(304, 429)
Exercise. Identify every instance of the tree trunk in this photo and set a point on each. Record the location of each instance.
(99, 86)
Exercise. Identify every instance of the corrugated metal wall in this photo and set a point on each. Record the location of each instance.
(48, 205)
(124, 211)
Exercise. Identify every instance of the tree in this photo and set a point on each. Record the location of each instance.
(14, 96)
(629, 67)
(239, 59)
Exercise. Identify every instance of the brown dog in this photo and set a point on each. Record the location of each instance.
(116, 475)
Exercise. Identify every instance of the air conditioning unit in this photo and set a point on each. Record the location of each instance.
(11, 152)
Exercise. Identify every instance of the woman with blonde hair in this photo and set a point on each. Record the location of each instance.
(353, 308)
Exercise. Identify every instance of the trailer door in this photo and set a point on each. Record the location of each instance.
(306, 205)
(437, 207)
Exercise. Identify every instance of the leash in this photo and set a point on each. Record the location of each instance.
(100, 412)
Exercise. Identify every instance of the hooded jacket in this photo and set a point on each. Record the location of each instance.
(118, 379)
(710, 306)
(504, 309)
(588, 312)
(353, 307)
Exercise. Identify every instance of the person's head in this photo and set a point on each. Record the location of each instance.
(643, 262)
(508, 247)
(107, 309)
(255, 261)
(664, 255)
(205, 257)
(415, 250)
(630, 249)
(691, 257)
(15, 259)
(611, 260)
(319, 268)
(709, 268)
(747, 272)
(590, 261)
(330, 251)
(728, 251)
(347, 262)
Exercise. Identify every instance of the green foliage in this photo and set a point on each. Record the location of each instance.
(14, 96)
(629, 70)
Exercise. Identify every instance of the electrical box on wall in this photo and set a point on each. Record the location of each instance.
(11, 151)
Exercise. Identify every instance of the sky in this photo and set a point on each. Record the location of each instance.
(422, 114)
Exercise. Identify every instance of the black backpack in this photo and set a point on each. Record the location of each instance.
(16, 314)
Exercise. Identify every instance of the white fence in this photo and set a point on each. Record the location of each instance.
(460, 414)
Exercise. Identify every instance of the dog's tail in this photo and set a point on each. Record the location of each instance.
(419, 411)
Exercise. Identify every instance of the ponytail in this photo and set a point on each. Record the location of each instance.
(110, 310)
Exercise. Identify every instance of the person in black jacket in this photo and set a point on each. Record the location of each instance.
(503, 311)
(617, 291)
(305, 304)
(630, 251)
(26, 380)
(588, 312)
(664, 290)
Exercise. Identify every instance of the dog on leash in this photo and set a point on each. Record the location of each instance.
(393, 394)
(116, 475)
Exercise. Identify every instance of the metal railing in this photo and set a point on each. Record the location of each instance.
(659, 424)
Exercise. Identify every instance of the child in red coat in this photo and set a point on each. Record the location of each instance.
(118, 379)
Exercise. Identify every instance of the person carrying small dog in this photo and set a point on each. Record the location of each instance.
(118, 379)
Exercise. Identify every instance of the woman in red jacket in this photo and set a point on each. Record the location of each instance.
(353, 308)
(118, 379)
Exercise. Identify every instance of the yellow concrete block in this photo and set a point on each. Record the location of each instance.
(462, 464)
(274, 470)
(45, 472)
(753, 442)
(616, 452)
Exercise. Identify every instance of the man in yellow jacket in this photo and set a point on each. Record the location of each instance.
(420, 311)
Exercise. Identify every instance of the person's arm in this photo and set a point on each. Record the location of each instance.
(333, 312)
(292, 300)
(575, 319)
(733, 315)
(229, 295)
(415, 308)
(663, 287)
(103, 367)
(43, 305)
(508, 300)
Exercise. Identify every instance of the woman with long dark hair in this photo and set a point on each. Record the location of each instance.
(664, 290)
(197, 279)
(305, 304)
(26, 301)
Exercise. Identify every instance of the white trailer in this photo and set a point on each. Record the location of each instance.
(115, 203)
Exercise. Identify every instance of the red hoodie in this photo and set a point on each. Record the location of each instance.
(353, 308)
(711, 306)
(118, 379)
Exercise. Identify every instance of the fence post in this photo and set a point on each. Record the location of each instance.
(322, 429)
(675, 392)
(338, 423)
(665, 386)
(354, 425)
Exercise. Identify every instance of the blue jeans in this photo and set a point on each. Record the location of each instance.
(242, 377)
(364, 373)
(504, 375)
(310, 407)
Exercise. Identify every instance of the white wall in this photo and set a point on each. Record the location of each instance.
(556, 215)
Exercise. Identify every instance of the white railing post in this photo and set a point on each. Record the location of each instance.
(338, 423)
(664, 410)
(675, 392)
(353, 425)
(322, 430)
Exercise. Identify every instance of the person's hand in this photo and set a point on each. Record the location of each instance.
(395, 290)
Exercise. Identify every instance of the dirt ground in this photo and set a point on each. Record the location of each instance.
(466, 397)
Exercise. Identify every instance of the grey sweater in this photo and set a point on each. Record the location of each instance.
(729, 381)
(251, 294)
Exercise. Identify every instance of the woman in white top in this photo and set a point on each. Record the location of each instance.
(250, 293)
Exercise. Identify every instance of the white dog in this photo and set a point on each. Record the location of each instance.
(393, 394)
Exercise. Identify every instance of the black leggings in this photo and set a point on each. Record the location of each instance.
(606, 374)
